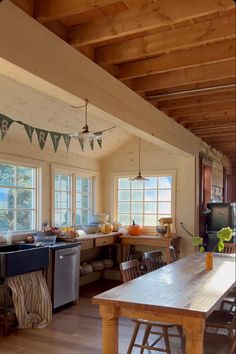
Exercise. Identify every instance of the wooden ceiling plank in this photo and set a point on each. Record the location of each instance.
(51, 10)
(213, 52)
(204, 108)
(155, 44)
(197, 117)
(195, 100)
(193, 75)
(25, 5)
(202, 124)
(143, 17)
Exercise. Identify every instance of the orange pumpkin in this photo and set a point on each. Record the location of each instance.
(134, 229)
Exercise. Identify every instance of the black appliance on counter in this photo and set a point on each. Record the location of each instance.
(219, 215)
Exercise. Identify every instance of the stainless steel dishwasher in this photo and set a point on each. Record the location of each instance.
(66, 275)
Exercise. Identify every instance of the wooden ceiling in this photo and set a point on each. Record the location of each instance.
(178, 55)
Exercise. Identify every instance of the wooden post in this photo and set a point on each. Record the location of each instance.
(110, 329)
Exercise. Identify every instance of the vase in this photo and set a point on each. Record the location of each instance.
(209, 260)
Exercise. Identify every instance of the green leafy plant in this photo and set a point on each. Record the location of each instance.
(224, 235)
(197, 241)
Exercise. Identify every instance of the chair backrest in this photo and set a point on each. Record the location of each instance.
(229, 248)
(173, 256)
(130, 270)
(153, 260)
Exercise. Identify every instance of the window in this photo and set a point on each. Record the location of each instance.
(72, 199)
(63, 206)
(145, 202)
(18, 194)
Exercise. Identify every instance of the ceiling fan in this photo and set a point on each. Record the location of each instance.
(86, 135)
(139, 177)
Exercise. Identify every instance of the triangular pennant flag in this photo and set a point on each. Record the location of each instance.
(81, 141)
(42, 137)
(99, 142)
(91, 144)
(29, 130)
(55, 139)
(66, 138)
(5, 124)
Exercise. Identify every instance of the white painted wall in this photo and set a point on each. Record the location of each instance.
(154, 158)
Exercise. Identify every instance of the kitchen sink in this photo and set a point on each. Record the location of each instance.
(22, 258)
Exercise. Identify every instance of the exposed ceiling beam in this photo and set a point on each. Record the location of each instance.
(191, 93)
(209, 72)
(51, 10)
(143, 17)
(25, 5)
(204, 108)
(211, 98)
(211, 53)
(183, 37)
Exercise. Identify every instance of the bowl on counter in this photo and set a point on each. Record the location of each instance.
(161, 230)
(91, 228)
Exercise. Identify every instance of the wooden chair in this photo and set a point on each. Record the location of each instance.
(153, 260)
(173, 255)
(230, 248)
(221, 344)
(222, 320)
(130, 270)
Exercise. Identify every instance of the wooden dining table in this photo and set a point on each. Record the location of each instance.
(182, 293)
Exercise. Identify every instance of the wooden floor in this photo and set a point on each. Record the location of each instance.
(75, 330)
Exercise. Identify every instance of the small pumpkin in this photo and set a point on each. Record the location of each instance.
(106, 228)
(134, 229)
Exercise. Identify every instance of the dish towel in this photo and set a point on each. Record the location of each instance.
(31, 299)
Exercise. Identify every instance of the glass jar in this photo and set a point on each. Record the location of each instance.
(209, 260)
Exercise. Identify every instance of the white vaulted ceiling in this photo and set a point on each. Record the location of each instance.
(37, 109)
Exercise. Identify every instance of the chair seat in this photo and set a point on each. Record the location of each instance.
(153, 323)
(223, 318)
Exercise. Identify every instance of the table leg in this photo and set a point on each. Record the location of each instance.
(167, 255)
(109, 329)
(194, 332)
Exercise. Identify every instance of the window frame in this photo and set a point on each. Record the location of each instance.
(24, 162)
(74, 172)
(162, 173)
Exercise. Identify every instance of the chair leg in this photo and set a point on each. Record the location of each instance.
(166, 339)
(145, 337)
(181, 334)
(134, 335)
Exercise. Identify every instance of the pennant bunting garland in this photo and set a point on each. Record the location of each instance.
(66, 138)
(42, 137)
(29, 130)
(55, 139)
(5, 124)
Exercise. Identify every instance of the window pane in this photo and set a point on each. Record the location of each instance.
(150, 220)
(138, 218)
(65, 183)
(165, 182)
(24, 220)
(84, 217)
(136, 207)
(6, 217)
(7, 175)
(124, 195)
(85, 185)
(151, 183)
(57, 200)
(65, 217)
(151, 195)
(65, 200)
(123, 183)
(78, 219)
(24, 199)
(78, 197)
(164, 208)
(150, 207)
(137, 195)
(6, 198)
(124, 219)
(57, 181)
(136, 184)
(85, 201)
(78, 184)
(57, 218)
(24, 177)
(124, 207)
(164, 195)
